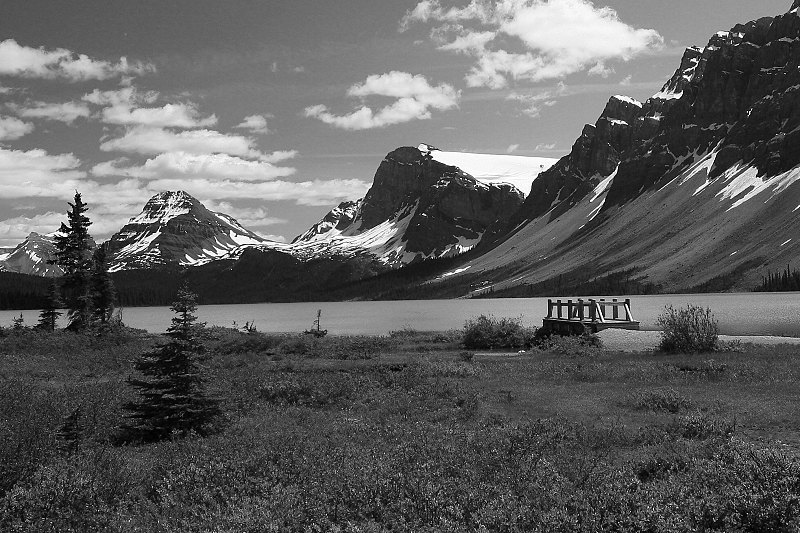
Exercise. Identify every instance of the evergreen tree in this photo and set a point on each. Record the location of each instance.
(74, 256)
(172, 398)
(50, 313)
(103, 293)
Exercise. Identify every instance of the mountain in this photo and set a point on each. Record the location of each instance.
(174, 228)
(697, 187)
(424, 203)
(31, 256)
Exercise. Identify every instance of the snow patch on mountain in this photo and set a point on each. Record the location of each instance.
(519, 171)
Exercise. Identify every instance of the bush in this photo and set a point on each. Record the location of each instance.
(490, 332)
(688, 330)
(586, 345)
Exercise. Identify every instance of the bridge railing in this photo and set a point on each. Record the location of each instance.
(590, 310)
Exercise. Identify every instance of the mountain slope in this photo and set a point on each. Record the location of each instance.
(31, 256)
(173, 229)
(698, 182)
(422, 206)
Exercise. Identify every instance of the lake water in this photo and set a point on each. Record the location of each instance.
(737, 314)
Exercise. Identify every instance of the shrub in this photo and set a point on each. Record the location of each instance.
(490, 332)
(588, 344)
(690, 330)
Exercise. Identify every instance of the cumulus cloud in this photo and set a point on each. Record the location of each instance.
(249, 217)
(512, 148)
(29, 173)
(13, 128)
(254, 123)
(124, 107)
(153, 141)
(533, 40)
(182, 165)
(30, 62)
(66, 112)
(415, 99)
(313, 193)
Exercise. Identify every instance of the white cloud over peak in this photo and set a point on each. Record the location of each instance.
(13, 128)
(313, 193)
(415, 99)
(533, 40)
(154, 141)
(124, 107)
(254, 123)
(30, 62)
(182, 165)
(66, 112)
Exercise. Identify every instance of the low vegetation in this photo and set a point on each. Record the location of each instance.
(491, 332)
(691, 329)
(408, 432)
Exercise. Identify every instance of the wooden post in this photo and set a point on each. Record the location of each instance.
(628, 314)
(559, 309)
(549, 308)
(603, 309)
(616, 309)
(592, 309)
(580, 309)
(569, 309)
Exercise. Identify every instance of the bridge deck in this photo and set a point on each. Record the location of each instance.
(574, 318)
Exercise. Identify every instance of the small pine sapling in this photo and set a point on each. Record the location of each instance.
(172, 398)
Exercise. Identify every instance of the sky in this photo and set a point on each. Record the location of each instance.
(274, 111)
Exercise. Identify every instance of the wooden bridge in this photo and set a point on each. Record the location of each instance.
(575, 318)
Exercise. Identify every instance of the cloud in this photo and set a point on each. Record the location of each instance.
(123, 107)
(249, 217)
(543, 147)
(66, 112)
(153, 141)
(512, 148)
(533, 102)
(29, 62)
(13, 128)
(32, 172)
(415, 99)
(254, 123)
(533, 40)
(182, 165)
(313, 193)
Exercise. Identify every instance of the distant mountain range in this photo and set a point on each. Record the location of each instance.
(418, 208)
(695, 189)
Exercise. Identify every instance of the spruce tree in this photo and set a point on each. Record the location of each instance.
(102, 288)
(172, 398)
(74, 256)
(48, 317)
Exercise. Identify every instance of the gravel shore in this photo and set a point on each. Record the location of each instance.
(638, 341)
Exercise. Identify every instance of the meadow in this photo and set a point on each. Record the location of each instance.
(405, 432)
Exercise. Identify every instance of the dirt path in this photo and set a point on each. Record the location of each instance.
(637, 341)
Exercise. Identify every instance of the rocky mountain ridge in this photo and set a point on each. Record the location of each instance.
(703, 173)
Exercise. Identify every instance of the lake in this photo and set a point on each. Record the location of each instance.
(737, 314)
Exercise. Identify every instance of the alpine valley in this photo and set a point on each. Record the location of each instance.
(695, 189)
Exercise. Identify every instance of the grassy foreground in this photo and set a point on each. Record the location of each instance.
(407, 433)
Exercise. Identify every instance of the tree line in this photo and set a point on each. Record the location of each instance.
(788, 280)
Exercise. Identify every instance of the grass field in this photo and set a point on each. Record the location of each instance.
(407, 432)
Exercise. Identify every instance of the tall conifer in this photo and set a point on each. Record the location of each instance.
(74, 256)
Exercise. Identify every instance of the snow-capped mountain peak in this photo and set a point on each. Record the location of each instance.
(174, 228)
